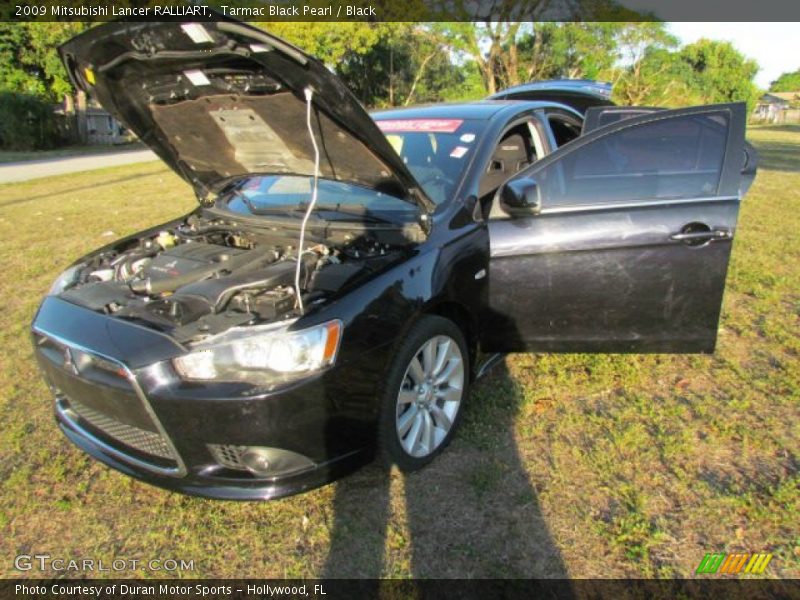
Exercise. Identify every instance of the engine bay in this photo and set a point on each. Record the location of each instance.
(205, 275)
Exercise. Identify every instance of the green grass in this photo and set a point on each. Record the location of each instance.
(579, 465)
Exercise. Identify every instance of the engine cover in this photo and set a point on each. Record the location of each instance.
(187, 258)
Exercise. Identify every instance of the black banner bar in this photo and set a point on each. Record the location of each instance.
(351, 589)
(407, 10)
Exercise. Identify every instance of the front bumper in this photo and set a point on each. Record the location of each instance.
(117, 398)
(196, 484)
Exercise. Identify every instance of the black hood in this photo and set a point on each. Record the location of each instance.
(220, 100)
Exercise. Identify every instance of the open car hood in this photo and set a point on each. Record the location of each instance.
(220, 100)
(579, 94)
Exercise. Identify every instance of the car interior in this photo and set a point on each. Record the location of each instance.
(515, 151)
(565, 127)
(431, 160)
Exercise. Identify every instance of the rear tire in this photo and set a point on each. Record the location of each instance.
(422, 400)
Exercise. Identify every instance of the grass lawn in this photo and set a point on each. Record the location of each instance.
(68, 152)
(567, 465)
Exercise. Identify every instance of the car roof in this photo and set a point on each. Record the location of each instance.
(479, 110)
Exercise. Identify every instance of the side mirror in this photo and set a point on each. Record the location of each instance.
(521, 197)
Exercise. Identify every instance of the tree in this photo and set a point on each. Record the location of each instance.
(787, 82)
(650, 72)
(567, 50)
(720, 73)
(492, 47)
(331, 42)
(29, 61)
(411, 64)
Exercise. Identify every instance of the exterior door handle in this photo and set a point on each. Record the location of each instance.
(702, 236)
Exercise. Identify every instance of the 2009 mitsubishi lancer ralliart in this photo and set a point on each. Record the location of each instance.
(345, 277)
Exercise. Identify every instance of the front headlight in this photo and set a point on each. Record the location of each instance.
(262, 355)
(63, 281)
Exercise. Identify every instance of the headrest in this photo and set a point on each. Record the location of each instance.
(511, 150)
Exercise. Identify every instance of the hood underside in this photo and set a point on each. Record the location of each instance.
(222, 100)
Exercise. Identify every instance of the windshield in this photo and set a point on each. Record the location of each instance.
(271, 194)
(436, 151)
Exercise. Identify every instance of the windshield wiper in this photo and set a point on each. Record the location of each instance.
(286, 209)
(363, 214)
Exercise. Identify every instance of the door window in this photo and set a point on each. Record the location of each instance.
(671, 158)
(601, 116)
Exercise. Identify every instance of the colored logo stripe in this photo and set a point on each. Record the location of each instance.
(758, 563)
(734, 563)
(710, 563)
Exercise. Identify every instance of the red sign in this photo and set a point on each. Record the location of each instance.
(422, 125)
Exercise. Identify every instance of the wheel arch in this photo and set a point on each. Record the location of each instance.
(464, 320)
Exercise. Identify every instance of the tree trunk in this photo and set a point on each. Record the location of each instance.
(391, 75)
(70, 121)
(512, 60)
(418, 77)
(82, 124)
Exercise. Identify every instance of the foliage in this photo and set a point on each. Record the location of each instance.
(27, 122)
(507, 54)
(655, 73)
(787, 82)
(720, 73)
(566, 50)
(401, 63)
(29, 61)
(659, 78)
(409, 65)
(384, 64)
(331, 42)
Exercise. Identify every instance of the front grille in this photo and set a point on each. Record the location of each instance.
(144, 441)
(228, 456)
(100, 398)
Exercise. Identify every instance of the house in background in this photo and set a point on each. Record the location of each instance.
(103, 129)
(778, 107)
(86, 122)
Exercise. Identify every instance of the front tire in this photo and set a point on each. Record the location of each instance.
(425, 390)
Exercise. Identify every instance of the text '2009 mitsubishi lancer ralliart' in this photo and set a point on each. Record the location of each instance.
(345, 277)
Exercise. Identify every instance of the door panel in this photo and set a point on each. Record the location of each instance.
(631, 247)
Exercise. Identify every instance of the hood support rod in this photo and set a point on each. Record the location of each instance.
(309, 93)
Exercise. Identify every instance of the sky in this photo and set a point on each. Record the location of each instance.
(774, 46)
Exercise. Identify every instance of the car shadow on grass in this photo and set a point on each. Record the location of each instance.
(779, 156)
(471, 513)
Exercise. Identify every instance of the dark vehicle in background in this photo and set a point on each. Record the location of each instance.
(345, 278)
(580, 94)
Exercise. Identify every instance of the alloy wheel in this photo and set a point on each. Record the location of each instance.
(430, 396)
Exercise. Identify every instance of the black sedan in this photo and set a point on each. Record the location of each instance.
(345, 278)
